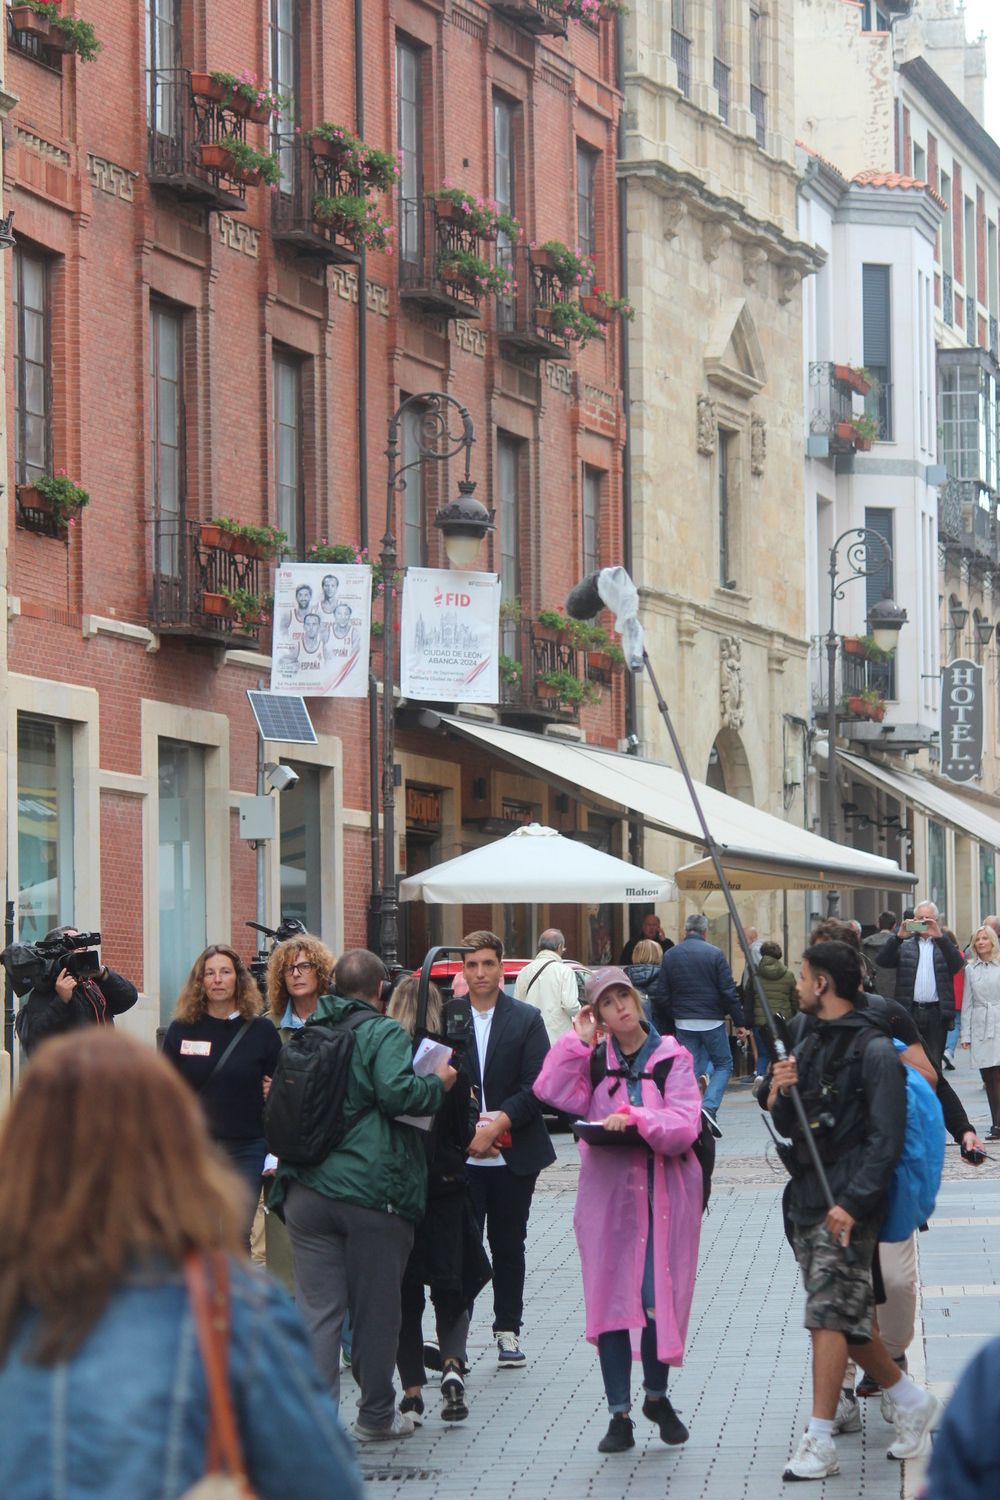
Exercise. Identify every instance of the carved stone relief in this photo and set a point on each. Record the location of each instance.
(708, 425)
(758, 445)
(731, 682)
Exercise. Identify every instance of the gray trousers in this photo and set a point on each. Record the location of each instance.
(350, 1257)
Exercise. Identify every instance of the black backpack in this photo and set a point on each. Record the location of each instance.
(704, 1143)
(304, 1115)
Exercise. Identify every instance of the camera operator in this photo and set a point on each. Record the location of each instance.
(64, 1002)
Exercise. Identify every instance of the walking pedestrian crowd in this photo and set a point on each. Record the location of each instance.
(389, 1139)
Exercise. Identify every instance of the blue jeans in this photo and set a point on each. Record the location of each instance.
(763, 1040)
(708, 1047)
(247, 1158)
(614, 1349)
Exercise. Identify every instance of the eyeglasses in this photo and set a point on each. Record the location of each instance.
(299, 968)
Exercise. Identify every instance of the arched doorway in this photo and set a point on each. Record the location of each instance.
(728, 767)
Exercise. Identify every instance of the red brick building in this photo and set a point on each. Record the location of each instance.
(187, 346)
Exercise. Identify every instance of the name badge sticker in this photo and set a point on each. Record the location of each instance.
(191, 1048)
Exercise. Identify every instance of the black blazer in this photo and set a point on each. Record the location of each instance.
(514, 1056)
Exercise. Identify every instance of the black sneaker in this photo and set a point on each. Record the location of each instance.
(713, 1124)
(453, 1407)
(414, 1405)
(619, 1435)
(660, 1411)
(432, 1356)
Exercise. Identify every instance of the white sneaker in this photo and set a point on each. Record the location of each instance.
(401, 1426)
(848, 1417)
(886, 1407)
(510, 1355)
(814, 1458)
(914, 1428)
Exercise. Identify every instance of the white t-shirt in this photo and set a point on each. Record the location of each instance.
(698, 1024)
(482, 1022)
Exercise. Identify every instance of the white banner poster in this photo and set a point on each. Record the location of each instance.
(322, 625)
(450, 638)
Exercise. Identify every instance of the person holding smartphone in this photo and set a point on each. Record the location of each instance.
(925, 961)
(639, 1204)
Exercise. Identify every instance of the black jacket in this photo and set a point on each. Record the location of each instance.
(514, 1056)
(903, 955)
(696, 983)
(93, 1003)
(863, 1145)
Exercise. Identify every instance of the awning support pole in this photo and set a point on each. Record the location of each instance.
(780, 1050)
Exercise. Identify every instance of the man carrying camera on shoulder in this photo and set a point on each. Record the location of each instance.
(70, 987)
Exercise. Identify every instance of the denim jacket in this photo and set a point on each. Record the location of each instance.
(125, 1417)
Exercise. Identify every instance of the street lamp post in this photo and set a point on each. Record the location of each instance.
(463, 523)
(885, 620)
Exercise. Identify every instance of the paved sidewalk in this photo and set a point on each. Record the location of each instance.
(744, 1389)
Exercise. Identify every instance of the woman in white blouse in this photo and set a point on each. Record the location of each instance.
(981, 1017)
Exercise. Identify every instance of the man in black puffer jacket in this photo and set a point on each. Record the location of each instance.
(926, 963)
(66, 1003)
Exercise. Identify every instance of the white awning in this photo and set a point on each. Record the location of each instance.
(968, 817)
(755, 845)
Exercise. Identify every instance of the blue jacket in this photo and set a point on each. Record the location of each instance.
(125, 1416)
(696, 984)
(965, 1459)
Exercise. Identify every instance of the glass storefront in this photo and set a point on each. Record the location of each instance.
(183, 932)
(44, 826)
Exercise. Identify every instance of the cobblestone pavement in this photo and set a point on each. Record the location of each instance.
(744, 1388)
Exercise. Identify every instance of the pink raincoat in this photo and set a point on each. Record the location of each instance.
(612, 1202)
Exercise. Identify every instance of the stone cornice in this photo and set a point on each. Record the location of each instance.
(689, 613)
(695, 199)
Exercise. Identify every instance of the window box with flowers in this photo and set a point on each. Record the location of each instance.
(240, 162)
(568, 689)
(855, 379)
(568, 320)
(44, 21)
(247, 608)
(355, 218)
(602, 307)
(869, 705)
(549, 625)
(571, 267)
(242, 93)
(474, 274)
(591, 11)
(51, 503)
(865, 430)
(480, 216)
(251, 541)
(379, 169)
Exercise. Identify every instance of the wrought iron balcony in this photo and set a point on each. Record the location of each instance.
(427, 233)
(950, 511)
(536, 16)
(540, 652)
(37, 40)
(720, 78)
(190, 582)
(525, 320)
(180, 124)
(831, 408)
(309, 178)
(967, 518)
(680, 51)
(859, 675)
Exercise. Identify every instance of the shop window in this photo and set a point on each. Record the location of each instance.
(45, 819)
(301, 848)
(182, 876)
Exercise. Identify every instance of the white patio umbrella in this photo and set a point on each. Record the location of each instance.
(536, 864)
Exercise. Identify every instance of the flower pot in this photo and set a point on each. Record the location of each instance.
(258, 114)
(216, 158)
(845, 432)
(600, 662)
(216, 604)
(59, 40)
(546, 690)
(245, 546)
(596, 309)
(207, 87)
(854, 379)
(858, 707)
(250, 178)
(876, 714)
(852, 645)
(31, 498)
(546, 633)
(210, 535)
(543, 259)
(543, 317)
(24, 18)
(862, 444)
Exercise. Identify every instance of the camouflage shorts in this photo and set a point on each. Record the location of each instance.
(838, 1282)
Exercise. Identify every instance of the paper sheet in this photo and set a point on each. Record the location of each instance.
(428, 1057)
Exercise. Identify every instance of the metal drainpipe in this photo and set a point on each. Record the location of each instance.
(631, 718)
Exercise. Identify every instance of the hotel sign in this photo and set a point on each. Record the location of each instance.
(961, 720)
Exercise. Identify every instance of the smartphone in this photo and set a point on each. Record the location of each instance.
(916, 927)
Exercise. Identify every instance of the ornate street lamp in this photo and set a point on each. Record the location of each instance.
(885, 620)
(463, 524)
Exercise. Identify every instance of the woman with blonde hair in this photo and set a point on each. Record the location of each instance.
(644, 971)
(225, 1049)
(299, 970)
(109, 1190)
(981, 1017)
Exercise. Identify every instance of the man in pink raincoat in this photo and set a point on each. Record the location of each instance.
(639, 1203)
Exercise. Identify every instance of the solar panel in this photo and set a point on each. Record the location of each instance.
(282, 716)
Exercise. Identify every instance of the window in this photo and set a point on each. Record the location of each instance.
(970, 421)
(32, 383)
(947, 289)
(508, 514)
(680, 45)
(163, 56)
(919, 163)
(504, 115)
(181, 865)
(758, 97)
(725, 507)
(167, 435)
(720, 76)
(414, 496)
(879, 582)
(591, 518)
(288, 488)
(586, 226)
(937, 866)
(301, 848)
(284, 81)
(408, 126)
(44, 826)
(877, 316)
(987, 880)
(873, 17)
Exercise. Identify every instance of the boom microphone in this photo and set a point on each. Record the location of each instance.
(584, 600)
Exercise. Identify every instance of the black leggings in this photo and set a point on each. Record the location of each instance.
(991, 1078)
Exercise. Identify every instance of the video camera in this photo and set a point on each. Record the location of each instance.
(286, 928)
(32, 964)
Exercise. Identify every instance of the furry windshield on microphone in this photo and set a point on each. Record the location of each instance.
(614, 589)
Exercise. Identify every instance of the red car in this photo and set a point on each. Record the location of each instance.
(443, 972)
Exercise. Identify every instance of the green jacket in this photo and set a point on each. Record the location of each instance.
(379, 1164)
(778, 984)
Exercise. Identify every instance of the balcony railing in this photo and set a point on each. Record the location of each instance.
(758, 108)
(189, 580)
(947, 298)
(535, 16)
(967, 518)
(179, 124)
(831, 408)
(720, 78)
(680, 51)
(950, 511)
(306, 177)
(36, 42)
(426, 235)
(538, 653)
(859, 675)
(524, 321)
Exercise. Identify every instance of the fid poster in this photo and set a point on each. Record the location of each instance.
(450, 636)
(322, 624)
